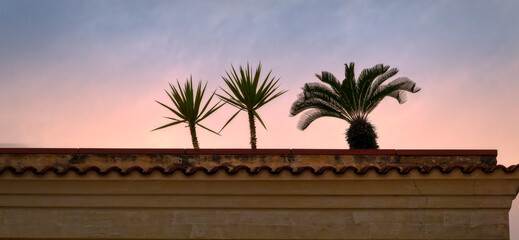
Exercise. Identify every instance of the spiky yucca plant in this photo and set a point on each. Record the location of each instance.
(351, 100)
(247, 92)
(189, 107)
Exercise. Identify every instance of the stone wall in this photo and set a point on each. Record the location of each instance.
(437, 203)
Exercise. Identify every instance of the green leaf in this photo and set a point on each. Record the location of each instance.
(230, 119)
(171, 109)
(247, 90)
(168, 125)
(351, 99)
(188, 104)
(259, 118)
(202, 126)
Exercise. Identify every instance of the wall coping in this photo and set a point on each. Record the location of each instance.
(238, 151)
(190, 161)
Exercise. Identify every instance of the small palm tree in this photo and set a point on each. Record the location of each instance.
(245, 95)
(189, 108)
(352, 100)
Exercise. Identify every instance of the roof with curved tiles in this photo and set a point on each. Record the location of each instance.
(102, 170)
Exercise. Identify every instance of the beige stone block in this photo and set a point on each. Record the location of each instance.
(241, 224)
(254, 201)
(259, 187)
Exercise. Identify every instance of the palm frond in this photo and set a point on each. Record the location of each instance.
(230, 99)
(204, 127)
(395, 89)
(214, 108)
(353, 99)
(259, 118)
(365, 80)
(248, 91)
(310, 116)
(171, 109)
(398, 85)
(168, 125)
(329, 79)
(302, 105)
(325, 93)
(349, 89)
(230, 119)
(188, 104)
(349, 72)
(382, 78)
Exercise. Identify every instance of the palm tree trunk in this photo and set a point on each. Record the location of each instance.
(252, 126)
(194, 139)
(361, 135)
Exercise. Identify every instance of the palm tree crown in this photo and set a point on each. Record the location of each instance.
(247, 93)
(189, 107)
(352, 99)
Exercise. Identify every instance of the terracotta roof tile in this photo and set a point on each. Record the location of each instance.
(234, 170)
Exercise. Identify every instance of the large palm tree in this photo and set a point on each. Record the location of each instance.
(351, 100)
(248, 94)
(189, 107)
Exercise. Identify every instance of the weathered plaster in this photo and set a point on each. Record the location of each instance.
(373, 205)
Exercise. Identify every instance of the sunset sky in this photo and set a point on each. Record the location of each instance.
(87, 73)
